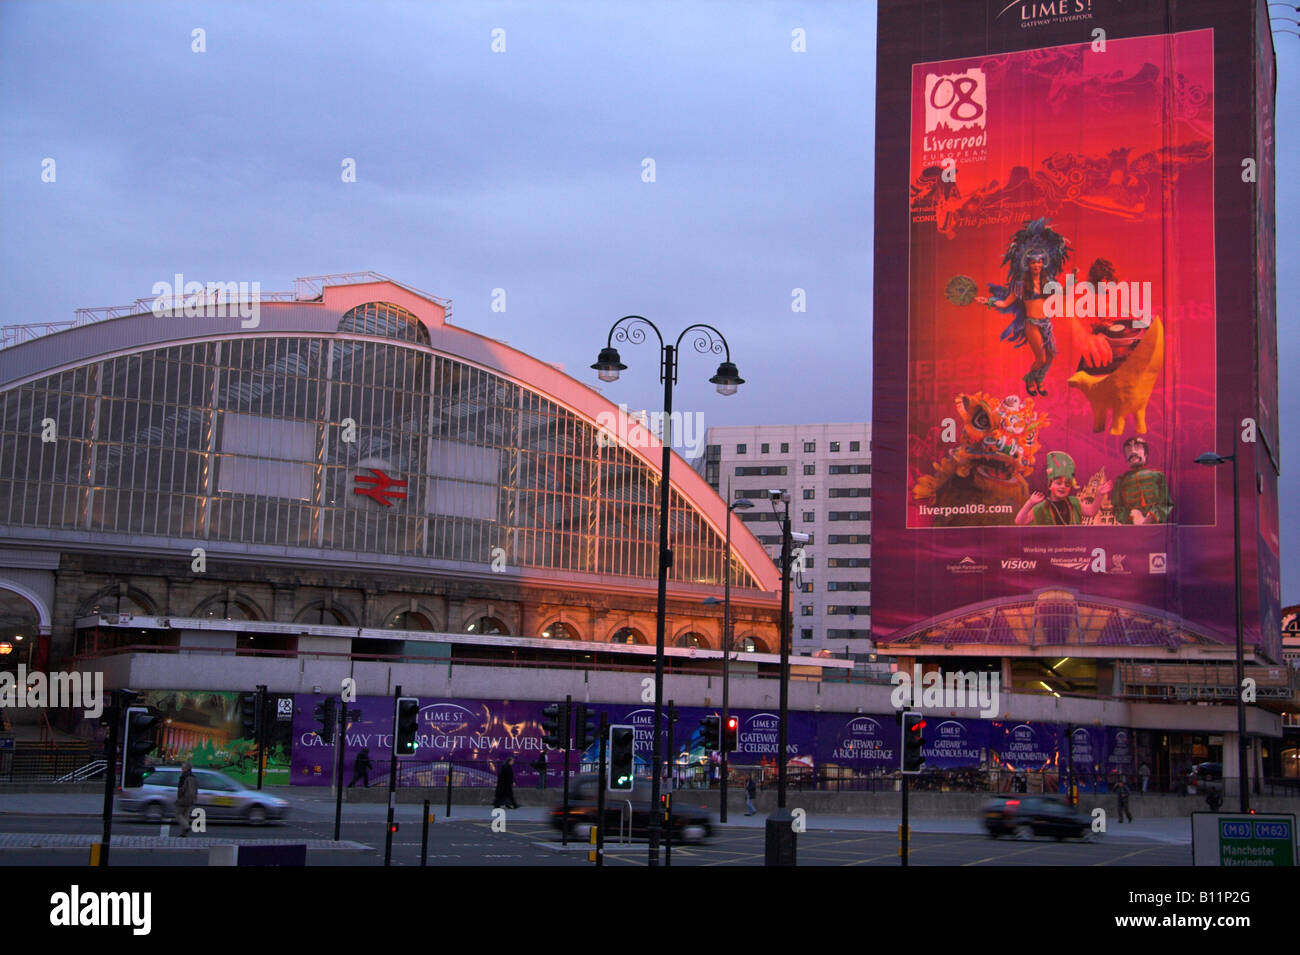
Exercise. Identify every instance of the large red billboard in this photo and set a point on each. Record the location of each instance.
(1078, 313)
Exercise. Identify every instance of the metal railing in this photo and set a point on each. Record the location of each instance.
(305, 289)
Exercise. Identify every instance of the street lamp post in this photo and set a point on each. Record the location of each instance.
(727, 380)
(780, 845)
(1210, 459)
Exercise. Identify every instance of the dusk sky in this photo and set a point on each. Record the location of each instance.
(479, 170)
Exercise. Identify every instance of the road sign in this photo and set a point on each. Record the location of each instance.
(1233, 839)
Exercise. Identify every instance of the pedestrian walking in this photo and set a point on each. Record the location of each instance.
(1144, 773)
(505, 791)
(1121, 794)
(187, 793)
(750, 791)
(361, 768)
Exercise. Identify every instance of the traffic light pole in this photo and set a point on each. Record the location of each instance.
(340, 722)
(600, 798)
(903, 830)
(117, 712)
(392, 782)
(668, 796)
(261, 733)
(568, 705)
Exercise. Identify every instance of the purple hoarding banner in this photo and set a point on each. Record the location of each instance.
(1025, 746)
(863, 743)
(951, 744)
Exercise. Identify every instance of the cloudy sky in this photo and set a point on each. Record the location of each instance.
(478, 170)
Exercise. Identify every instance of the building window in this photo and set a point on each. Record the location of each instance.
(487, 627)
(806, 610)
(850, 538)
(764, 448)
(848, 585)
(769, 471)
(835, 447)
(559, 630)
(807, 586)
(855, 445)
(810, 469)
(850, 492)
(839, 611)
(692, 640)
(809, 517)
(740, 448)
(627, 635)
(809, 494)
(785, 447)
(849, 561)
(850, 469)
(805, 633)
(850, 515)
(809, 447)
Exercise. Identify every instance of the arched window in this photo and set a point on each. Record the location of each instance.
(751, 645)
(488, 627)
(627, 635)
(318, 613)
(389, 321)
(409, 620)
(559, 630)
(693, 639)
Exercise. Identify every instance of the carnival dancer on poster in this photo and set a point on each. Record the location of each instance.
(1034, 259)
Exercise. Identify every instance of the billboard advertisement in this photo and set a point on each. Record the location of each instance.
(1072, 324)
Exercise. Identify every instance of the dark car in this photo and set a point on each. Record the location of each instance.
(1026, 816)
(691, 823)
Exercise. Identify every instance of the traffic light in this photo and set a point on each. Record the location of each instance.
(584, 727)
(406, 722)
(912, 760)
(622, 758)
(249, 717)
(324, 716)
(729, 734)
(709, 739)
(141, 738)
(552, 735)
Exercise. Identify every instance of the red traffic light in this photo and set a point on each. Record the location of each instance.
(394, 827)
(732, 722)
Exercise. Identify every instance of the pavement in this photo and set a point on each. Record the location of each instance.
(320, 805)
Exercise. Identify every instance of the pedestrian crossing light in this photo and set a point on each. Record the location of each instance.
(729, 734)
(913, 741)
(324, 717)
(141, 740)
(709, 729)
(407, 722)
(551, 725)
(622, 758)
(584, 727)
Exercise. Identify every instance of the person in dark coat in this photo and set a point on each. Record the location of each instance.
(505, 792)
(187, 793)
(361, 768)
(1121, 794)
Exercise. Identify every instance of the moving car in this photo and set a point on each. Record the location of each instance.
(220, 797)
(690, 822)
(1201, 774)
(1026, 816)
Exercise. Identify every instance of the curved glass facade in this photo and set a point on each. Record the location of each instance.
(340, 445)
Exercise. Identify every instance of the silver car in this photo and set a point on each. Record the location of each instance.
(219, 797)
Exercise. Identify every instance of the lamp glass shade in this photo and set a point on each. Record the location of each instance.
(608, 365)
(727, 379)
